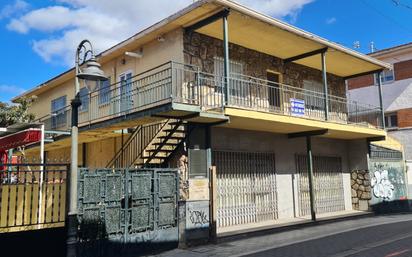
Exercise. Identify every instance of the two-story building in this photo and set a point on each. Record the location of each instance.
(397, 90)
(256, 92)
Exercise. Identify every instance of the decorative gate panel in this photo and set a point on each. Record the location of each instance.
(123, 205)
(328, 184)
(246, 187)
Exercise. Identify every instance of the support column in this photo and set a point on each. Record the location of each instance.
(310, 176)
(379, 74)
(325, 85)
(226, 69)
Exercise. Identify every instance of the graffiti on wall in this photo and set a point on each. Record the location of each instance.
(388, 180)
(382, 186)
(197, 214)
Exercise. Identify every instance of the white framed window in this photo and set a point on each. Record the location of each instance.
(104, 91)
(391, 120)
(236, 86)
(84, 98)
(387, 76)
(59, 115)
(314, 98)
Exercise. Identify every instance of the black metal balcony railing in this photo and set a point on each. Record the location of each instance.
(187, 84)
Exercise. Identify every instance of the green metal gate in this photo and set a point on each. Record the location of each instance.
(127, 206)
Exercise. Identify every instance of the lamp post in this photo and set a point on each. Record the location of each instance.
(84, 55)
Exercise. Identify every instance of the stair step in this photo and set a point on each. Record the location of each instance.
(175, 131)
(172, 137)
(156, 157)
(161, 150)
(166, 143)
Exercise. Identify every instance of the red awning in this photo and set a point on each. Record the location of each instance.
(21, 138)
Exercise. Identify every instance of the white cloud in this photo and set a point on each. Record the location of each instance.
(106, 22)
(15, 8)
(8, 89)
(331, 20)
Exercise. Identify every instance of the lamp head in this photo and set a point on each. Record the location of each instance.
(92, 71)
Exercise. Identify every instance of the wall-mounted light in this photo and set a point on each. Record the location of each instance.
(134, 54)
(161, 38)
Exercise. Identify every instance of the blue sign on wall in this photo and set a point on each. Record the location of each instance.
(297, 107)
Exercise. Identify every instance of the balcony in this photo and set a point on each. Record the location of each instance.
(176, 90)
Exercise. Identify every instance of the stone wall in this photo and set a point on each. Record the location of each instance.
(200, 50)
(361, 190)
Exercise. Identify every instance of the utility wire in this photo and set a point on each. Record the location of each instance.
(387, 16)
(398, 3)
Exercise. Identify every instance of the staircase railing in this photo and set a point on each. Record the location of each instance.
(135, 145)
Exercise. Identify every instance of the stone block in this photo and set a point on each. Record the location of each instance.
(366, 183)
(354, 194)
(361, 188)
(363, 205)
(360, 176)
(359, 181)
(354, 175)
(366, 196)
(355, 200)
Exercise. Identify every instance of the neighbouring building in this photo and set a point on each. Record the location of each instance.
(396, 92)
(220, 85)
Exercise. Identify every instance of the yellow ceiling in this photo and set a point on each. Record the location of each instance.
(263, 37)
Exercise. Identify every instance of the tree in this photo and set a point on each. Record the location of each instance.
(16, 113)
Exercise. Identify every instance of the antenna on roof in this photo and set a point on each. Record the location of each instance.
(356, 44)
(372, 46)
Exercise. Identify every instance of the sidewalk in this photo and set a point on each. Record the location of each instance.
(252, 244)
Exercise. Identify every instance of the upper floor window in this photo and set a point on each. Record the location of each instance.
(391, 120)
(84, 98)
(236, 86)
(104, 91)
(387, 76)
(314, 98)
(58, 112)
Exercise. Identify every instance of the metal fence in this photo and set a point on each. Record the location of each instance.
(188, 84)
(33, 196)
(328, 184)
(246, 188)
(128, 205)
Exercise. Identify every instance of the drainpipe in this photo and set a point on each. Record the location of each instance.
(379, 74)
(310, 176)
(226, 59)
(325, 85)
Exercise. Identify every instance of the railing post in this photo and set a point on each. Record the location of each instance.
(226, 68)
(172, 81)
(325, 85)
(199, 94)
(379, 74)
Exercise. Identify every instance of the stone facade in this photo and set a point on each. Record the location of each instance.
(361, 190)
(200, 50)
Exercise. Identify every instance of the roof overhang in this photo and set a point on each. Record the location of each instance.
(247, 28)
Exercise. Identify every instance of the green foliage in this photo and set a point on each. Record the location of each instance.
(15, 113)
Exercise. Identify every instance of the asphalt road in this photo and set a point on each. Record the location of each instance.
(389, 240)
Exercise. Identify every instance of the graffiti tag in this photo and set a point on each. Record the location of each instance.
(198, 218)
(382, 186)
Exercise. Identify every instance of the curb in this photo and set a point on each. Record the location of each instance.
(242, 234)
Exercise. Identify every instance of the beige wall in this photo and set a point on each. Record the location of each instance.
(285, 151)
(154, 54)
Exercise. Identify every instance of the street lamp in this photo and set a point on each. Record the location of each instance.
(84, 55)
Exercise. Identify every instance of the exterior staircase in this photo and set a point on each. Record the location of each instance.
(150, 145)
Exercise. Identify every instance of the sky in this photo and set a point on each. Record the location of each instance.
(38, 37)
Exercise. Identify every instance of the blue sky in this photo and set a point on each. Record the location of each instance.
(38, 36)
